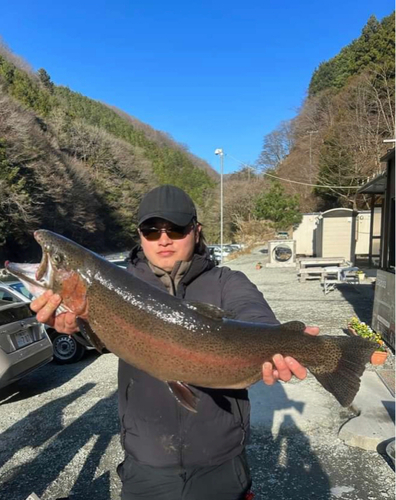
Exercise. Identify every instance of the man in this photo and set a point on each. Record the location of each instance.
(170, 452)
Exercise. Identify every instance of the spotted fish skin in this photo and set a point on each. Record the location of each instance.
(174, 340)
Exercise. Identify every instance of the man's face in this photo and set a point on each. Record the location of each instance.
(165, 251)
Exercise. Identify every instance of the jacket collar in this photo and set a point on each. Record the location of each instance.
(199, 264)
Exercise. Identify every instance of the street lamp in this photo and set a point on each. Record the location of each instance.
(221, 154)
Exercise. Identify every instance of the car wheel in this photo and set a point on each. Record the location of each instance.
(66, 348)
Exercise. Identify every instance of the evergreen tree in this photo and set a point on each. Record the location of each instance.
(45, 79)
(275, 206)
(336, 168)
(375, 46)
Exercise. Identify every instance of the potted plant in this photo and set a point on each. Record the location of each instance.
(357, 327)
(258, 265)
(361, 276)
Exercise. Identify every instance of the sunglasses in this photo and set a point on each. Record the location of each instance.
(173, 232)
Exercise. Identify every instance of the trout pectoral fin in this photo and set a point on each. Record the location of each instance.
(208, 310)
(89, 335)
(184, 395)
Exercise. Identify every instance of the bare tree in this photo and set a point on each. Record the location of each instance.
(277, 145)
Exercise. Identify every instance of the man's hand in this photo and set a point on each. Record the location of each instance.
(45, 307)
(284, 368)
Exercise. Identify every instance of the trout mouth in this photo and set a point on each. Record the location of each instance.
(37, 278)
(56, 272)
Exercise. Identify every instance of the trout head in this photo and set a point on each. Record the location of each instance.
(64, 268)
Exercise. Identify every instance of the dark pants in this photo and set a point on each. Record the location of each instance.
(228, 481)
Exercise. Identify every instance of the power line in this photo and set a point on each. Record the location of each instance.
(313, 185)
(297, 182)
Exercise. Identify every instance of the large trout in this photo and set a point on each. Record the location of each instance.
(177, 341)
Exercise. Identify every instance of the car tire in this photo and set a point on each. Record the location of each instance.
(67, 349)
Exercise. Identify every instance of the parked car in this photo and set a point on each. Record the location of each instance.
(213, 256)
(217, 251)
(66, 348)
(119, 259)
(236, 246)
(229, 249)
(24, 342)
(282, 235)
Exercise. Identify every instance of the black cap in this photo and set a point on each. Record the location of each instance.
(167, 202)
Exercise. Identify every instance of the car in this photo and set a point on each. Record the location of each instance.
(213, 257)
(217, 251)
(24, 342)
(119, 259)
(282, 235)
(229, 248)
(236, 246)
(66, 348)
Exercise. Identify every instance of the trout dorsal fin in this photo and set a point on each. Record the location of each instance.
(89, 335)
(209, 310)
(294, 326)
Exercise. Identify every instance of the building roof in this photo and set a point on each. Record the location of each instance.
(338, 212)
(388, 155)
(375, 186)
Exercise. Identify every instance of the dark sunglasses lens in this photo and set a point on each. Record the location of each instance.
(176, 234)
(151, 234)
(154, 234)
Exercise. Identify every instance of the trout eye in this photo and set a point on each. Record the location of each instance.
(57, 258)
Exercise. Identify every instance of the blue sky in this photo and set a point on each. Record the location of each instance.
(212, 74)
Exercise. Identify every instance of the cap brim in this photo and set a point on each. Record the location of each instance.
(178, 218)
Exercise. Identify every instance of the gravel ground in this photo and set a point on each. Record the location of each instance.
(59, 426)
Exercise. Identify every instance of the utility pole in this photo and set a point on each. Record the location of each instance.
(221, 154)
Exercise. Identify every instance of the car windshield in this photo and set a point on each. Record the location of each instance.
(20, 287)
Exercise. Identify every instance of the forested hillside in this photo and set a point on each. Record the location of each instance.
(79, 167)
(336, 140)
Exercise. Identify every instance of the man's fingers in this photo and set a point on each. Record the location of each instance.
(283, 369)
(312, 330)
(39, 302)
(70, 320)
(45, 307)
(66, 323)
(295, 368)
(270, 376)
(46, 313)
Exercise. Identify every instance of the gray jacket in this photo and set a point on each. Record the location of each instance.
(155, 429)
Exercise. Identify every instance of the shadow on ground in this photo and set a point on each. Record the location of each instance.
(361, 298)
(285, 467)
(62, 443)
(283, 464)
(38, 381)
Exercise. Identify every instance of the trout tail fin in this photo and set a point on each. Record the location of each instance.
(344, 381)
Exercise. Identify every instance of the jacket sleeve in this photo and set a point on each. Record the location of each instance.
(242, 298)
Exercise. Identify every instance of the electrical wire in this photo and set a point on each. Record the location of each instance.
(297, 182)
